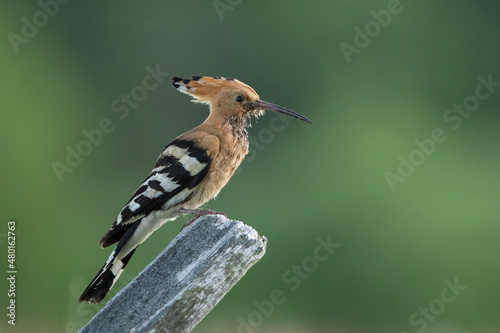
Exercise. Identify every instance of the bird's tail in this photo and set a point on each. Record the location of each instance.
(110, 272)
(106, 278)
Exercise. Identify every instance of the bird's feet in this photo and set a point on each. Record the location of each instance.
(197, 213)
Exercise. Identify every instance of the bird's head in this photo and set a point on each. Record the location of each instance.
(228, 98)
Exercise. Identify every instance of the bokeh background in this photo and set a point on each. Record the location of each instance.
(399, 243)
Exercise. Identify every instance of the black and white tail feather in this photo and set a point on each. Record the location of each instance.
(110, 272)
(172, 182)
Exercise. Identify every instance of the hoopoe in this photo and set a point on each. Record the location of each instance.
(191, 170)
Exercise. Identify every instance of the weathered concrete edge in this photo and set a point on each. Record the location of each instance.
(120, 314)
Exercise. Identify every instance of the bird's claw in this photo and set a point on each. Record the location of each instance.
(198, 213)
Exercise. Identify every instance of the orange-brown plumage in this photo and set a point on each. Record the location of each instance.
(222, 134)
(190, 171)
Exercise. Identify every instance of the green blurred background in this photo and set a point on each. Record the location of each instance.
(397, 246)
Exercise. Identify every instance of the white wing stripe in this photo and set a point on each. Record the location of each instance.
(164, 181)
(192, 165)
(175, 151)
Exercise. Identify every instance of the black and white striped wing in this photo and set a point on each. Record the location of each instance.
(180, 168)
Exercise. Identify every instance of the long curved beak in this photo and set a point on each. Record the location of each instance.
(263, 105)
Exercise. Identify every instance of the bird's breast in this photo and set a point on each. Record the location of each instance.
(232, 151)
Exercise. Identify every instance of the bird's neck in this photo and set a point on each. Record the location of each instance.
(231, 130)
(237, 127)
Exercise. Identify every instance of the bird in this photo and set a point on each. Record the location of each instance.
(190, 171)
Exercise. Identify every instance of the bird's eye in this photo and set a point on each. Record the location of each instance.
(239, 98)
